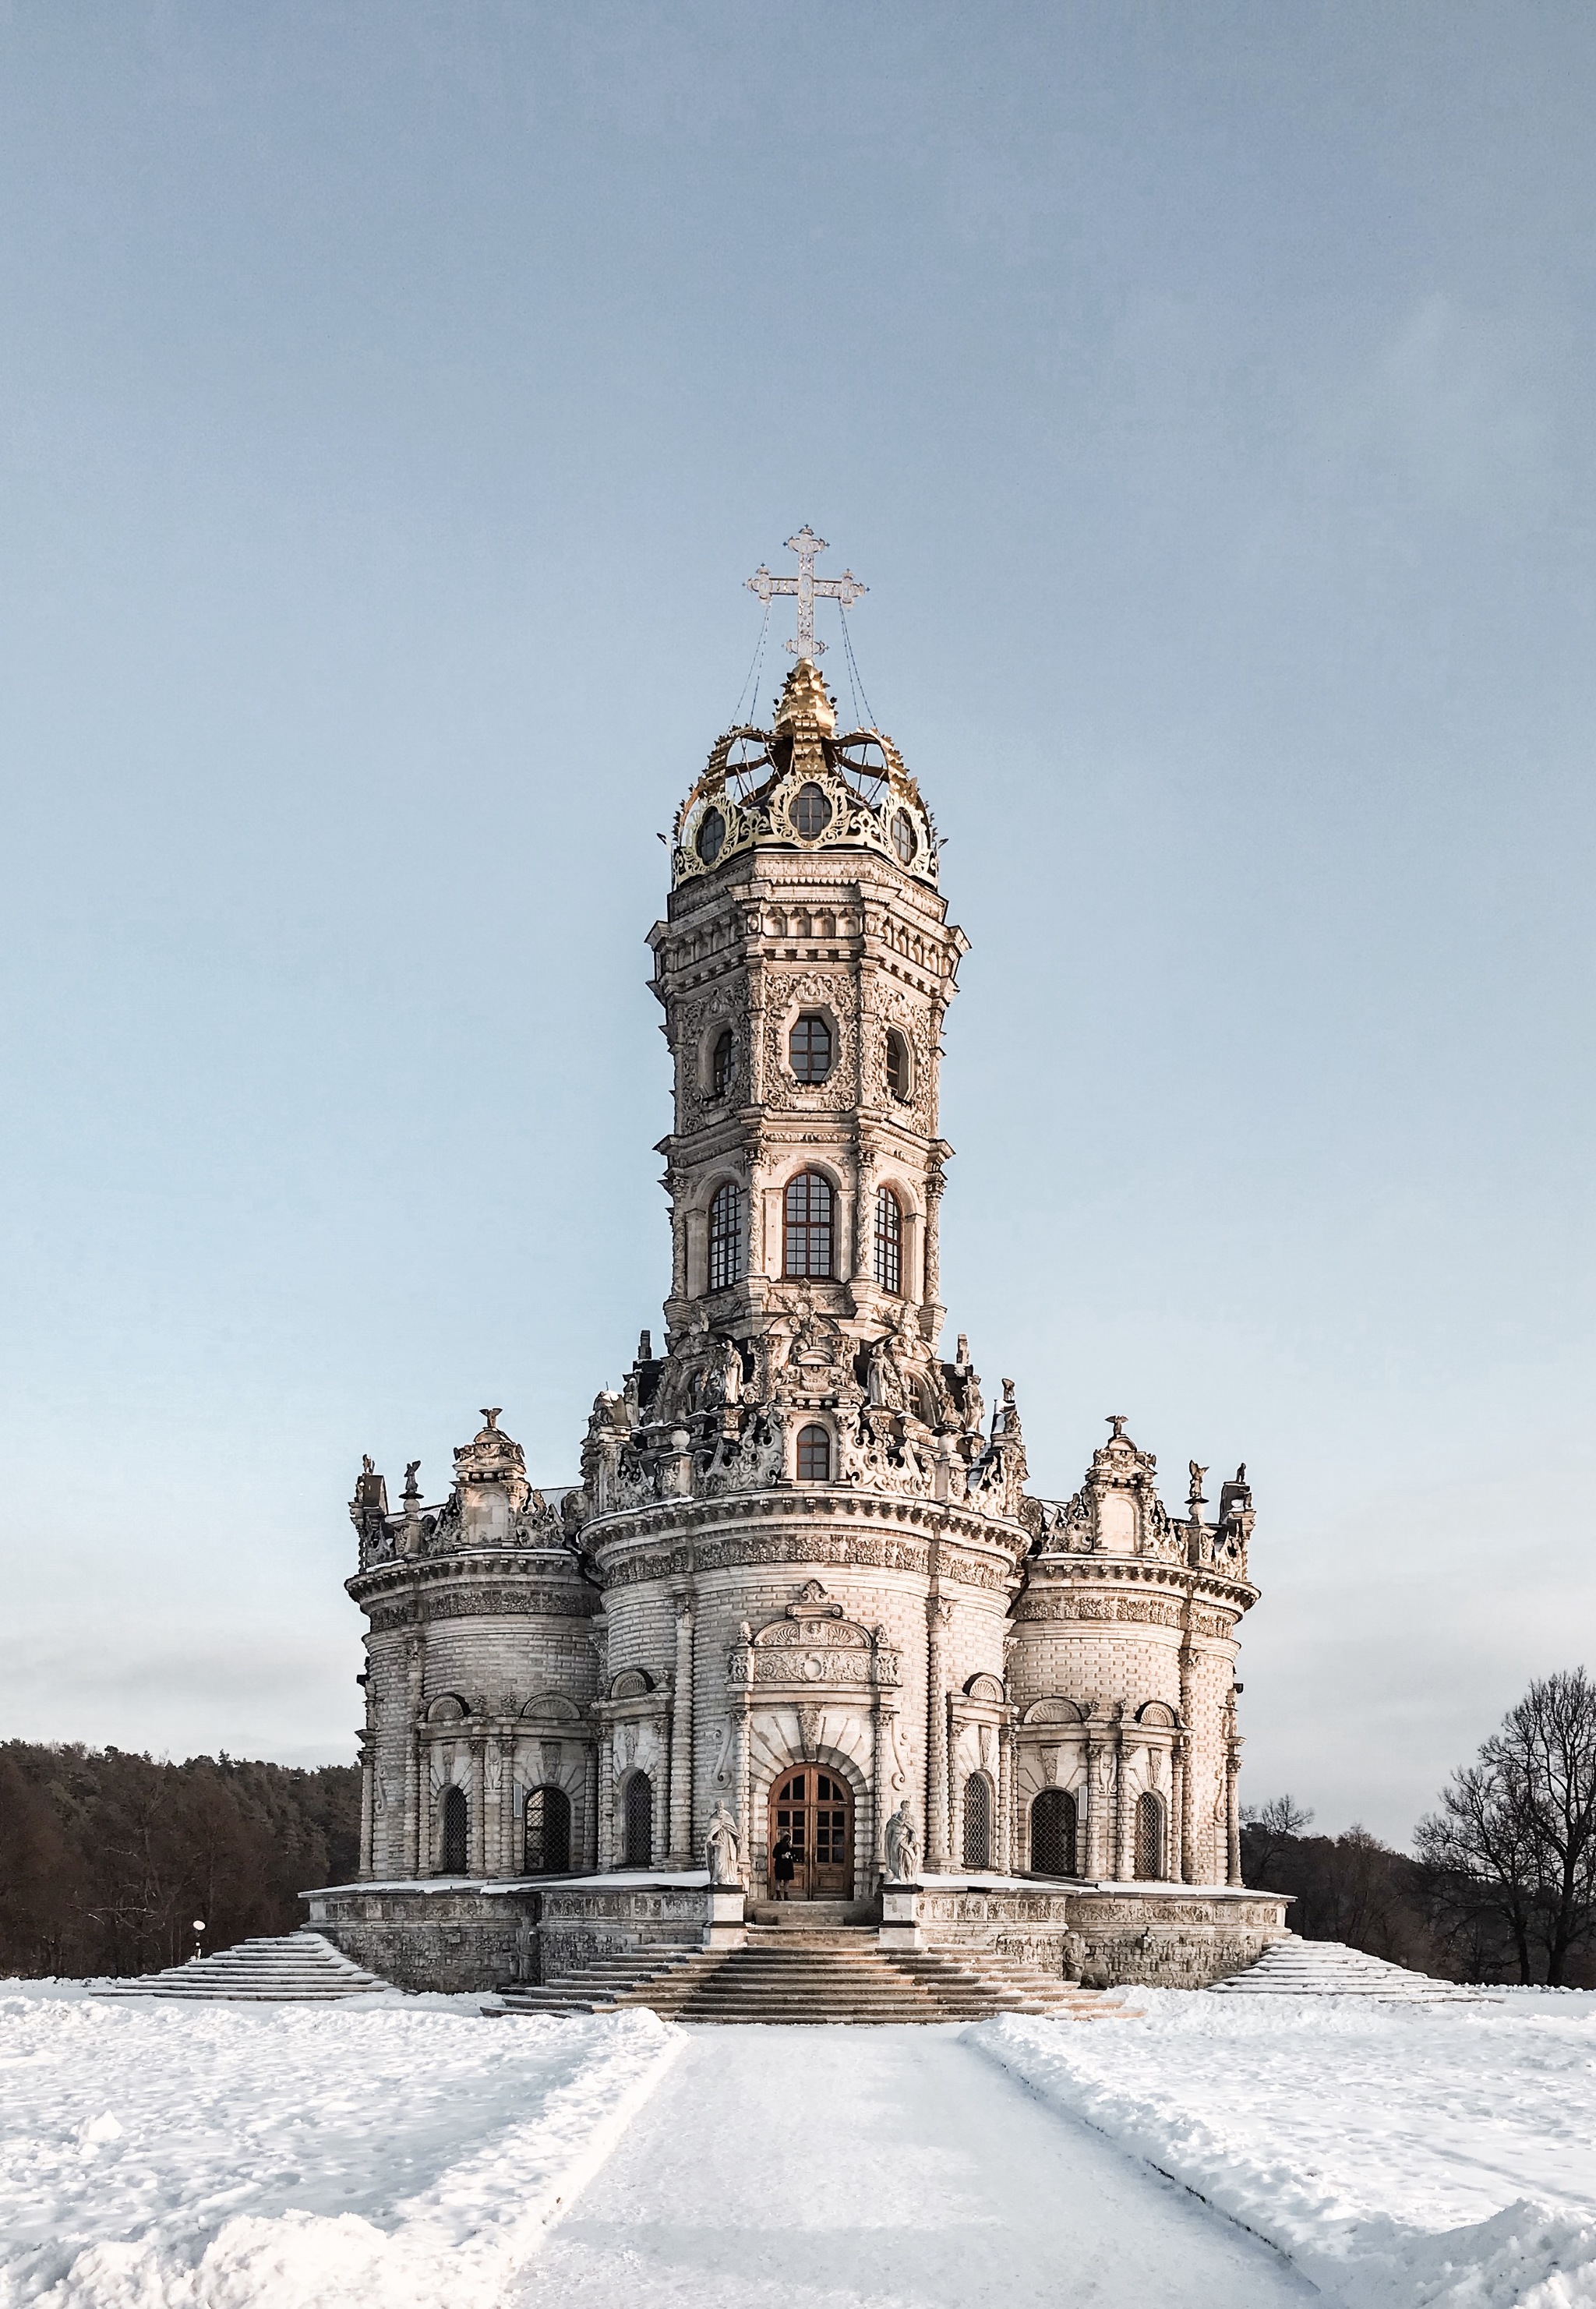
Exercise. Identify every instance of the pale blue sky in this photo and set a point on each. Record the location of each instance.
(395, 399)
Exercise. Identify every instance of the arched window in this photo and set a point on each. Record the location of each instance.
(813, 1456)
(456, 1821)
(978, 1821)
(720, 1063)
(1149, 1838)
(897, 1063)
(726, 1237)
(889, 1239)
(640, 1821)
(808, 1208)
(809, 1048)
(548, 1851)
(1053, 1828)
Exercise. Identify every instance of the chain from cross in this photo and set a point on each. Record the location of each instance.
(807, 588)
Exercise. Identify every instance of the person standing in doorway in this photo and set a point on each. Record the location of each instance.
(783, 1864)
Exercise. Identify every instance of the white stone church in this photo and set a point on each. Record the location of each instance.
(802, 1576)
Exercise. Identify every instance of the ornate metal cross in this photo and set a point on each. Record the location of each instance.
(809, 589)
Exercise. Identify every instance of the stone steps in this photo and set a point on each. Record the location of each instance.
(815, 1975)
(292, 1968)
(1298, 1967)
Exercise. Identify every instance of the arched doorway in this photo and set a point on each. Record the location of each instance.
(815, 1807)
(548, 1851)
(1053, 1834)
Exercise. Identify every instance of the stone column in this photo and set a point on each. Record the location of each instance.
(1233, 1808)
(683, 1850)
(1189, 1840)
(478, 1844)
(1004, 1855)
(415, 1757)
(493, 1807)
(741, 1776)
(1122, 1868)
(938, 1614)
(590, 1826)
(931, 1286)
(605, 1804)
(1177, 1862)
(367, 1863)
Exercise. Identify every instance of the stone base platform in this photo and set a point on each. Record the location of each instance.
(462, 1934)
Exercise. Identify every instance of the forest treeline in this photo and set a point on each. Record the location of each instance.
(106, 1858)
(1501, 1884)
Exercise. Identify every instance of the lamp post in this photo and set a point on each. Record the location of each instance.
(199, 1947)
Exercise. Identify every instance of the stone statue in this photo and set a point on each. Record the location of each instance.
(723, 1386)
(902, 1847)
(410, 1466)
(1196, 1476)
(724, 1848)
(886, 1382)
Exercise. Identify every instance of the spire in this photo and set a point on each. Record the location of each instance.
(804, 698)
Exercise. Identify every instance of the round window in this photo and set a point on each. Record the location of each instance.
(905, 841)
(712, 836)
(811, 811)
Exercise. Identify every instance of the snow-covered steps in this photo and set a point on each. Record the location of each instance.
(1298, 1967)
(815, 1975)
(294, 1968)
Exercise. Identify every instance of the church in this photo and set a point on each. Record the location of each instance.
(802, 1579)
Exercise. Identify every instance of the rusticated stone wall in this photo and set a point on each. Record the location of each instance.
(454, 1941)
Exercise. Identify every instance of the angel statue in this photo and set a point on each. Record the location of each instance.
(902, 1847)
(724, 1848)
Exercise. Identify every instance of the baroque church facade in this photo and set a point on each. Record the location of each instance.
(802, 1575)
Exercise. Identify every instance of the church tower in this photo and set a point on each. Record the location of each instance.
(805, 969)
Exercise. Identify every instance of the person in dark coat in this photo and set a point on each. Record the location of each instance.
(783, 1864)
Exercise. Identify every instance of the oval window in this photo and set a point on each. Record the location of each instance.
(811, 811)
(712, 836)
(905, 841)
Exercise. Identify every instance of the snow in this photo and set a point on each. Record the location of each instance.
(881, 2169)
(400, 2152)
(1400, 2155)
(396, 2152)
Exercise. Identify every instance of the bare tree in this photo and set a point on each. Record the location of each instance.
(1515, 1840)
(1270, 1827)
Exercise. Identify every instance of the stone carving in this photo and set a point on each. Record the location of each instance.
(723, 1848)
(902, 1847)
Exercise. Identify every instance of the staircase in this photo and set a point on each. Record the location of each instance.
(811, 1975)
(1298, 1967)
(296, 1968)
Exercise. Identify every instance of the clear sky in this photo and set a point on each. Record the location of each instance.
(395, 397)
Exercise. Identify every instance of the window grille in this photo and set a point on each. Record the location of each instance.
(813, 1456)
(978, 1822)
(897, 1065)
(809, 1048)
(456, 1823)
(808, 1209)
(1053, 1834)
(1149, 1838)
(720, 1065)
(811, 811)
(548, 1832)
(640, 1821)
(889, 1239)
(726, 1237)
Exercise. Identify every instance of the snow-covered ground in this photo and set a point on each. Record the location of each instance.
(401, 2153)
(397, 2153)
(1399, 2156)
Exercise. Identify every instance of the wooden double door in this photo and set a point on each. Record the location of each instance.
(814, 1809)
